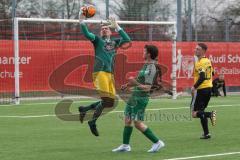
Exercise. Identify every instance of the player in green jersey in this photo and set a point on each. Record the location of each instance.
(135, 108)
(105, 50)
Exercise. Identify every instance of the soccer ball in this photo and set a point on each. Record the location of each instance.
(88, 11)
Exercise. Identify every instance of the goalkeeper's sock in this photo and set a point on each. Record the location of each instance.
(99, 108)
(150, 135)
(90, 107)
(127, 132)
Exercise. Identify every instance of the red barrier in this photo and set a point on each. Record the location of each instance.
(38, 59)
(225, 59)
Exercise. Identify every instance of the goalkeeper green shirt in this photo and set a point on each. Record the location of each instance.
(105, 49)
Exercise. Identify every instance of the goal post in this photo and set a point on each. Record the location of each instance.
(16, 62)
(17, 45)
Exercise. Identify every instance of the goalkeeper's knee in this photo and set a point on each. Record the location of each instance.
(107, 102)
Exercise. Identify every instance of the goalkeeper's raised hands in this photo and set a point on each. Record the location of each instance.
(113, 23)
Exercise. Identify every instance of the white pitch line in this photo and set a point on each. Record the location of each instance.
(83, 101)
(30, 104)
(204, 156)
(74, 101)
(30, 116)
(152, 109)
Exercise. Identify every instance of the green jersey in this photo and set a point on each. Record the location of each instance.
(137, 103)
(146, 76)
(105, 49)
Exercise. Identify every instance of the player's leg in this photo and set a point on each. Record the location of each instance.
(83, 110)
(198, 111)
(218, 93)
(204, 123)
(107, 92)
(139, 112)
(212, 115)
(92, 122)
(157, 143)
(97, 106)
(205, 100)
(104, 83)
(127, 132)
(200, 102)
(106, 102)
(108, 95)
(89, 107)
(215, 91)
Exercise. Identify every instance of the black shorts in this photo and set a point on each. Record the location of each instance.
(201, 99)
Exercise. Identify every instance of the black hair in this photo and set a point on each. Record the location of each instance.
(152, 50)
(203, 46)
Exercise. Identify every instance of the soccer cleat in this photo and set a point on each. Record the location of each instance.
(93, 128)
(208, 136)
(122, 148)
(82, 113)
(156, 147)
(213, 118)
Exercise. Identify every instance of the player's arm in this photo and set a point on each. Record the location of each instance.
(124, 36)
(90, 36)
(133, 83)
(200, 79)
(149, 78)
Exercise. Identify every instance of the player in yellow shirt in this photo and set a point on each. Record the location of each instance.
(201, 90)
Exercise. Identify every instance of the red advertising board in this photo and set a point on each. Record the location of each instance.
(38, 59)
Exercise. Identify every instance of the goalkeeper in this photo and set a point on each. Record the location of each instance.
(105, 50)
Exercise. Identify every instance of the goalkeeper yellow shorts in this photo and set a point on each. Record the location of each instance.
(104, 84)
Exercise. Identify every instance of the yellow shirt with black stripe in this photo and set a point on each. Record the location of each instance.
(203, 65)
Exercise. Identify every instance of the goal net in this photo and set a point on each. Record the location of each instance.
(52, 58)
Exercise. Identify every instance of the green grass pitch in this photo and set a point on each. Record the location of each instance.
(47, 137)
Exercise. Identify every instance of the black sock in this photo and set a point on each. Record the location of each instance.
(97, 113)
(91, 106)
(208, 114)
(105, 103)
(204, 121)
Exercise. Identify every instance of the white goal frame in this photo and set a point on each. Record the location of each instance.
(16, 46)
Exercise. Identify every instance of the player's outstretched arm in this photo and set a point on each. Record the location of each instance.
(132, 82)
(124, 36)
(84, 28)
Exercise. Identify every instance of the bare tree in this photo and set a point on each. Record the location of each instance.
(142, 10)
(226, 20)
(6, 8)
